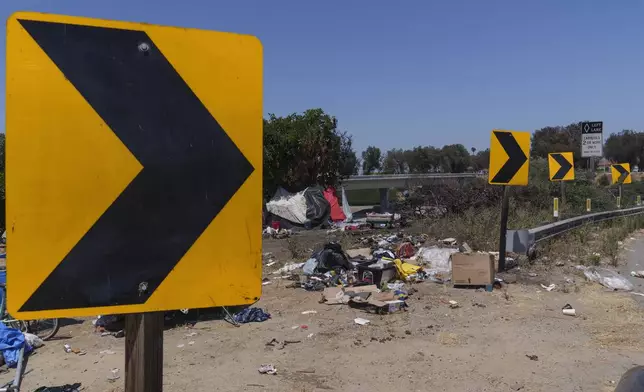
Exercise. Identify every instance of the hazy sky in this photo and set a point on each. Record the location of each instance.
(399, 74)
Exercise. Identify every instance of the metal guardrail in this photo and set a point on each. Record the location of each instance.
(524, 241)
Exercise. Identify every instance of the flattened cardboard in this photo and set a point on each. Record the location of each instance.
(472, 269)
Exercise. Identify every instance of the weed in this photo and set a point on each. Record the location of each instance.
(294, 248)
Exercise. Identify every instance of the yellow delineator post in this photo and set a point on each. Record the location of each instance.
(555, 207)
(587, 205)
(639, 200)
(619, 202)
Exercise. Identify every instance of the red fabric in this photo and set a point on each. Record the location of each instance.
(336, 210)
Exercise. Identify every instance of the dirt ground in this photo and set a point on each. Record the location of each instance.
(515, 339)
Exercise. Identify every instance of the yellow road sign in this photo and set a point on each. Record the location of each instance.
(621, 173)
(134, 167)
(561, 166)
(509, 158)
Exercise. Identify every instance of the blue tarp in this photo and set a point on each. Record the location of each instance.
(11, 341)
(251, 314)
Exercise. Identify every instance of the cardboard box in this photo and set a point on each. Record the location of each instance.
(472, 269)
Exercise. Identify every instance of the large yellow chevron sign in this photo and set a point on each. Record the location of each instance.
(509, 158)
(134, 167)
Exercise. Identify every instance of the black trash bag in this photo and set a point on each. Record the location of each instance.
(632, 380)
(332, 257)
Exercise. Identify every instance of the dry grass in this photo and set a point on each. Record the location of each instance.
(613, 319)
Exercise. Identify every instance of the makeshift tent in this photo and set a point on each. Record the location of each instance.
(307, 208)
(337, 215)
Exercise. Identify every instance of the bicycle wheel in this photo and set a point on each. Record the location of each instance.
(43, 328)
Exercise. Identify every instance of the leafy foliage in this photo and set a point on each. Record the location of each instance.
(371, 160)
(305, 149)
(625, 147)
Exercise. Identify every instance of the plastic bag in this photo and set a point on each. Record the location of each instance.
(33, 340)
(436, 258)
(607, 278)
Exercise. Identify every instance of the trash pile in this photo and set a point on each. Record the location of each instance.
(392, 258)
(369, 298)
(276, 232)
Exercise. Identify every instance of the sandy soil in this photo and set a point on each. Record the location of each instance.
(515, 339)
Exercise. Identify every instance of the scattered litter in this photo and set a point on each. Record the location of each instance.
(114, 375)
(606, 277)
(190, 343)
(289, 268)
(532, 357)
(267, 369)
(67, 348)
(396, 286)
(560, 263)
(191, 334)
(106, 352)
(309, 335)
(532, 275)
(453, 304)
(549, 288)
(637, 274)
(181, 345)
(295, 327)
(361, 321)
(304, 326)
(33, 340)
(266, 282)
(271, 263)
(251, 315)
(568, 310)
(309, 312)
(450, 241)
(465, 248)
(640, 294)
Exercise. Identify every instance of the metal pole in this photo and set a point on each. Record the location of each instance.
(619, 200)
(505, 205)
(144, 352)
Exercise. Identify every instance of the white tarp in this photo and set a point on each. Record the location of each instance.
(289, 206)
(346, 208)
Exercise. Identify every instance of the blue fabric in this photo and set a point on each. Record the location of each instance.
(251, 314)
(11, 341)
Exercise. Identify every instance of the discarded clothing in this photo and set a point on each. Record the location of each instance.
(406, 269)
(11, 341)
(250, 315)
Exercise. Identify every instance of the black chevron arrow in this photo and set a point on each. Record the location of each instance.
(191, 168)
(623, 173)
(564, 166)
(516, 158)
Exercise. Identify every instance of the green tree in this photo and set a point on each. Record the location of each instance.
(371, 160)
(305, 149)
(625, 147)
(395, 162)
(423, 159)
(557, 139)
(455, 158)
(481, 160)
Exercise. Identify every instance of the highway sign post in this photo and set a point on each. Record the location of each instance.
(620, 173)
(561, 166)
(155, 200)
(509, 165)
(592, 141)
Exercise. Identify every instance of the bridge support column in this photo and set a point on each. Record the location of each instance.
(384, 199)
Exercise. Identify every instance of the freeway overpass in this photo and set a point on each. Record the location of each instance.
(384, 182)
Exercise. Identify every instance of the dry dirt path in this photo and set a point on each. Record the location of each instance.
(481, 346)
